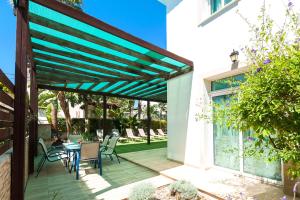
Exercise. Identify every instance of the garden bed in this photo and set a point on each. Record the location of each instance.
(164, 193)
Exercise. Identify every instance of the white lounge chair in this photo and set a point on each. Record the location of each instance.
(152, 133)
(142, 133)
(160, 132)
(130, 134)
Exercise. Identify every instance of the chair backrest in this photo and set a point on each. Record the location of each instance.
(129, 133)
(105, 141)
(152, 132)
(160, 132)
(75, 138)
(89, 151)
(112, 144)
(42, 143)
(142, 132)
(99, 133)
(115, 132)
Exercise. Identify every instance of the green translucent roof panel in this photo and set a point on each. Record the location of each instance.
(85, 86)
(114, 86)
(99, 86)
(92, 56)
(72, 85)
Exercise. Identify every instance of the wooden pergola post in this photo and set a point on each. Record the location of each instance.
(18, 157)
(104, 121)
(33, 122)
(148, 122)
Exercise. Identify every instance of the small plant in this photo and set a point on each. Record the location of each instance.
(143, 191)
(183, 190)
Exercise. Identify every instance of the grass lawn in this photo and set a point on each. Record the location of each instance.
(140, 146)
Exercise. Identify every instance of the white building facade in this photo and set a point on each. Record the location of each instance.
(206, 32)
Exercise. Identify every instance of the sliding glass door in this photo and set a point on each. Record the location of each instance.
(228, 145)
(226, 142)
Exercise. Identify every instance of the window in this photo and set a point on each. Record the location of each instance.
(216, 5)
(229, 82)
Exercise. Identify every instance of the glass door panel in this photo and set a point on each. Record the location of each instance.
(259, 166)
(226, 142)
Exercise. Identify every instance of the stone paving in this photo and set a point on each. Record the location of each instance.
(214, 181)
(55, 183)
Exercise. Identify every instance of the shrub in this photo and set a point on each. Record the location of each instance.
(184, 189)
(143, 191)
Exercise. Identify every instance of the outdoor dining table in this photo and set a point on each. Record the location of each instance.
(73, 149)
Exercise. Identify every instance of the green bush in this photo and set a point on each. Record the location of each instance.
(184, 189)
(143, 191)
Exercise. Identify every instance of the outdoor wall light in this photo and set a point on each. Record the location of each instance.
(234, 56)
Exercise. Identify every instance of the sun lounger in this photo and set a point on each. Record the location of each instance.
(130, 134)
(160, 132)
(142, 133)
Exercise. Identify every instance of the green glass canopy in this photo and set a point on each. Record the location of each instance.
(73, 51)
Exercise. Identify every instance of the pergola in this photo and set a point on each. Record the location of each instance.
(68, 50)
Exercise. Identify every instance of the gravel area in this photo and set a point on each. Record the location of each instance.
(163, 193)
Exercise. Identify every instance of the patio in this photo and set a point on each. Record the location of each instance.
(151, 166)
(54, 182)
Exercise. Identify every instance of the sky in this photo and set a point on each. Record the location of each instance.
(145, 19)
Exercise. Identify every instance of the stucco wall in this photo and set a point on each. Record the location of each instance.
(178, 112)
(208, 43)
(5, 177)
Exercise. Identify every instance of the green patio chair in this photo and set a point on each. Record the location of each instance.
(51, 155)
(104, 144)
(111, 148)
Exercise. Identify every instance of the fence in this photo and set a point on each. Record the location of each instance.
(6, 131)
(6, 112)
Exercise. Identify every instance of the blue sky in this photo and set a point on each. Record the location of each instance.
(145, 19)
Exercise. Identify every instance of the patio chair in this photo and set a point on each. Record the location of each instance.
(160, 132)
(88, 152)
(104, 143)
(130, 134)
(74, 138)
(111, 148)
(142, 133)
(51, 155)
(115, 132)
(152, 133)
(99, 133)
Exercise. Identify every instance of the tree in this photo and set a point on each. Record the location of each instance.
(73, 3)
(268, 102)
(48, 99)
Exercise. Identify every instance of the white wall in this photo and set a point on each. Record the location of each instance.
(208, 43)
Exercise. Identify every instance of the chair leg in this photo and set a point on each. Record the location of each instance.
(117, 156)
(41, 164)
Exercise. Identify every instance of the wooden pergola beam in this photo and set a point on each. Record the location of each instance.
(91, 38)
(48, 87)
(88, 59)
(65, 43)
(85, 66)
(81, 16)
(148, 122)
(104, 120)
(18, 157)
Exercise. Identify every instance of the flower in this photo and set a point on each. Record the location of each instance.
(228, 197)
(295, 187)
(258, 69)
(267, 61)
(250, 138)
(290, 4)
(253, 50)
(284, 198)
